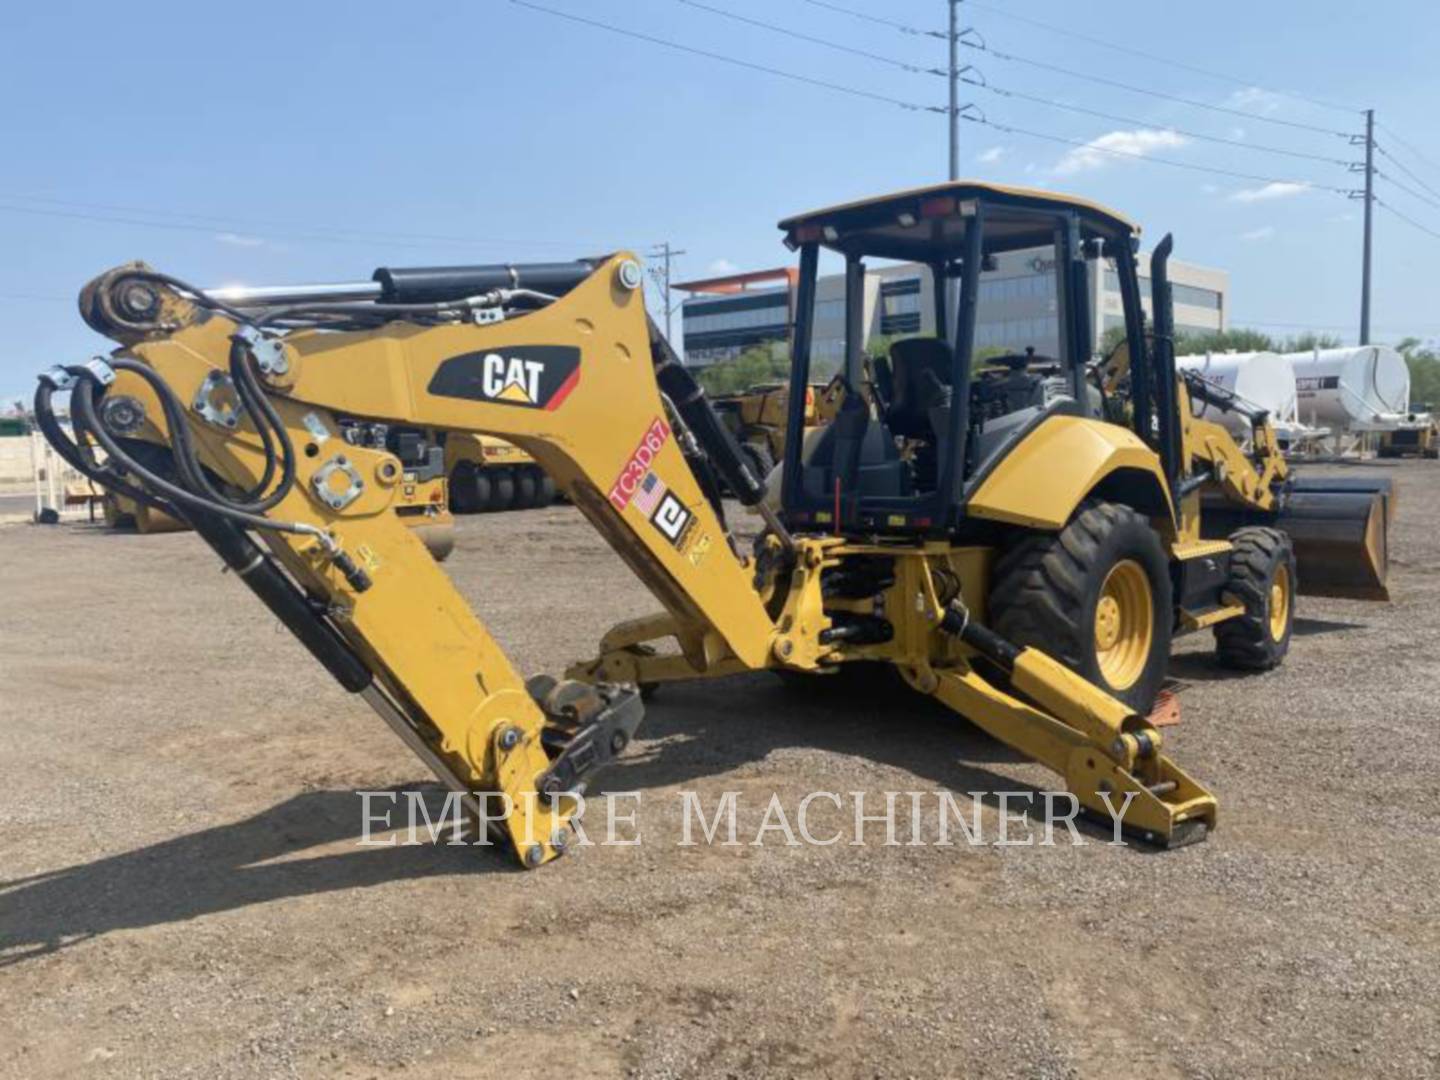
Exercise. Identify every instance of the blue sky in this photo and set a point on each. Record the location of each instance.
(300, 142)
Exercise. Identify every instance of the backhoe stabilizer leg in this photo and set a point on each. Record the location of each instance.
(1157, 802)
(1109, 757)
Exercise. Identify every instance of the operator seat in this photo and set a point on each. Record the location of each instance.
(920, 370)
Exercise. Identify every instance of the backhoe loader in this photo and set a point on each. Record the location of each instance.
(1020, 545)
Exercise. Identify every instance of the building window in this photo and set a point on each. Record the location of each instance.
(1196, 297)
(900, 306)
(1191, 295)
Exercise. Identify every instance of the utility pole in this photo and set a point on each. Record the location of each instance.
(954, 89)
(1369, 214)
(661, 274)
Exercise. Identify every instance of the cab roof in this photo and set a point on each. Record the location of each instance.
(916, 222)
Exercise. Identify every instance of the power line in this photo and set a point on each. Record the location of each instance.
(1168, 61)
(916, 69)
(904, 28)
(1408, 190)
(982, 46)
(1403, 168)
(1242, 144)
(1012, 129)
(210, 224)
(736, 61)
(1408, 146)
(892, 61)
(970, 116)
(1406, 218)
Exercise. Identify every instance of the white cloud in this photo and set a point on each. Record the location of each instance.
(990, 156)
(722, 266)
(238, 240)
(1254, 99)
(1265, 232)
(1277, 189)
(1115, 145)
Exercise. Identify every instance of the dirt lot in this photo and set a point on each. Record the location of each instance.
(182, 893)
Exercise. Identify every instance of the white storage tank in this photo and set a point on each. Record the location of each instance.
(1262, 380)
(1343, 388)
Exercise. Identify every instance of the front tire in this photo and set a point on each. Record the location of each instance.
(1096, 596)
(1262, 577)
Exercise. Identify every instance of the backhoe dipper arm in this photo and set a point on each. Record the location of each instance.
(570, 381)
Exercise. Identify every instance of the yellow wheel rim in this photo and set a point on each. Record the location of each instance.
(1280, 602)
(1124, 624)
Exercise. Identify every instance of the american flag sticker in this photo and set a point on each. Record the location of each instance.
(648, 495)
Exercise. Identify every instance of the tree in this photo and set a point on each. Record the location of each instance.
(1233, 340)
(1424, 363)
(1308, 341)
(769, 362)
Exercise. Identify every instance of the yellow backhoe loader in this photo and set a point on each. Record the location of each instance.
(1020, 545)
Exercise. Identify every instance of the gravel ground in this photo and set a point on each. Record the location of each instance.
(182, 893)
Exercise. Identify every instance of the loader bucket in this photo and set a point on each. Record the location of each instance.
(1340, 529)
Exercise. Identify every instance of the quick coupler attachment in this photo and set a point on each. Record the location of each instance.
(587, 727)
(1109, 755)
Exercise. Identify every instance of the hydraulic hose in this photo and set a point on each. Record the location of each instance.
(83, 403)
(70, 451)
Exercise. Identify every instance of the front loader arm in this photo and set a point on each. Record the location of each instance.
(573, 384)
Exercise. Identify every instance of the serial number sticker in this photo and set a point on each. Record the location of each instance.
(637, 468)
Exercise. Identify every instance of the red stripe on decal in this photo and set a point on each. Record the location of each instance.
(564, 391)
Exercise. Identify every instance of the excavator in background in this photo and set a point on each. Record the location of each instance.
(756, 418)
(1021, 544)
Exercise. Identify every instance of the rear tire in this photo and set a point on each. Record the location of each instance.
(1096, 597)
(1263, 578)
(547, 489)
(759, 459)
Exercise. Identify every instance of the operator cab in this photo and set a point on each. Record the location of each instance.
(980, 329)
